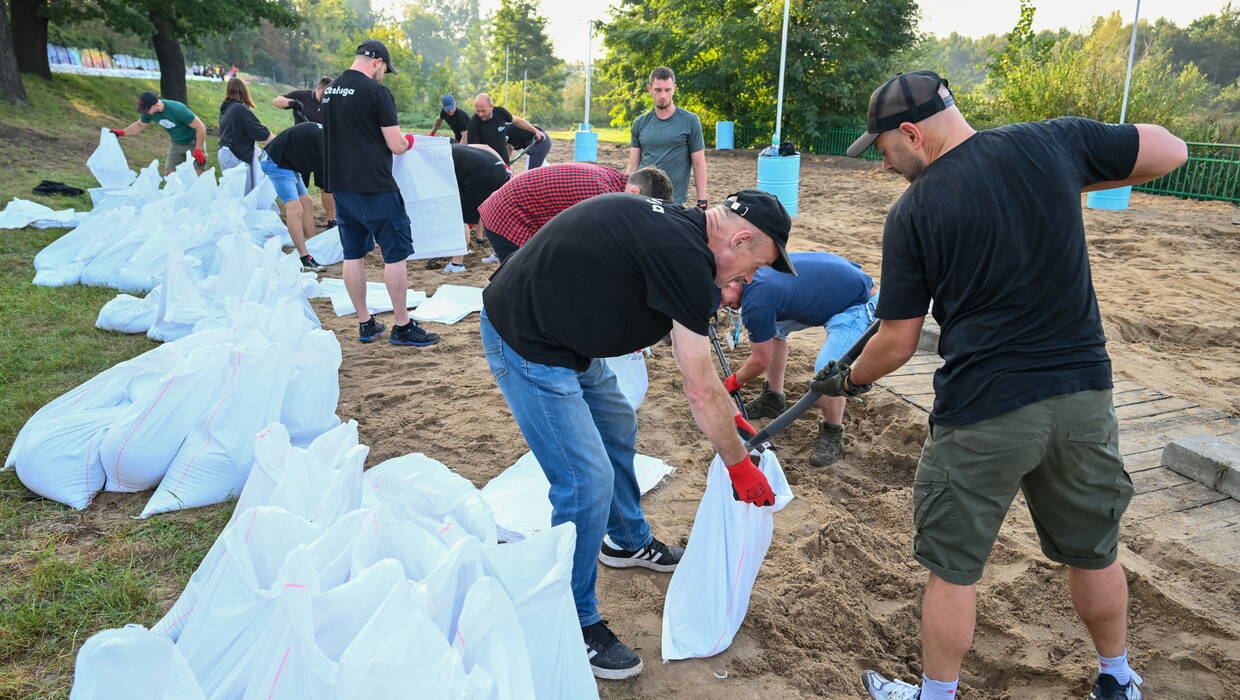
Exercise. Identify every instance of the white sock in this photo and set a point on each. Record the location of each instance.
(937, 690)
(1116, 667)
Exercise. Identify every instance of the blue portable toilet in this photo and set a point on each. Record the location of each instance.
(585, 145)
(781, 176)
(1116, 198)
(725, 133)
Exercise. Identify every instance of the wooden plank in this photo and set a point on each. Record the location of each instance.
(1121, 385)
(907, 370)
(1152, 432)
(1167, 404)
(925, 358)
(1136, 396)
(1221, 545)
(1155, 479)
(909, 384)
(1140, 461)
(1172, 500)
(1198, 524)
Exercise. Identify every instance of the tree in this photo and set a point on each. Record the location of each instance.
(11, 88)
(1212, 43)
(726, 57)
(518, 28)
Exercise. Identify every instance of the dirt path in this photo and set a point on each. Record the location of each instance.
(839, 591)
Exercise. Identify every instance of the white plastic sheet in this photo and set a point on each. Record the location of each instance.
(631, 374)
(108, 164)
(427, 182)
(708, 595)
(20, 213)
(518, 496)
(377, 299)
(449, 304)
(326, 247)
(132, 662)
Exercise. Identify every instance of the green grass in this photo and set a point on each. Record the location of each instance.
(606, 134)
(65, 574)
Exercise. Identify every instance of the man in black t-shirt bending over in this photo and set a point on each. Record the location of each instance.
(991, 229)
(360, 136)
(608, 276)
(456, 119)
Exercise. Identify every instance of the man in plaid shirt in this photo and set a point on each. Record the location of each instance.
(516, 211)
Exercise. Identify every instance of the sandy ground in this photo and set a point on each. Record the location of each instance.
(839, 592)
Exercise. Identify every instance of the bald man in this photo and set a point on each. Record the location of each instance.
(496, 127)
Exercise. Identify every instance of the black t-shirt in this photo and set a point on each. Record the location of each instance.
(355, 154)
(300, 149)
(519, 138)
(493, 131)
(458, 121)
(468, 161)
(992, 231)
(311, 108)
(604, 277)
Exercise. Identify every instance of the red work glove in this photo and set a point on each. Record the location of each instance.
(432, 132)
(200, 158)
(731, 384)
(744, 425)
(749, 484)
(409, 140)
(118, 132)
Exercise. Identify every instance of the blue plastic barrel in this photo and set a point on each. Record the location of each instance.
(781, 176)
(1109, 199)
(585, 146)
(725, 136)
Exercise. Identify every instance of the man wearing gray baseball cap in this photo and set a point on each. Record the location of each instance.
(991, 229)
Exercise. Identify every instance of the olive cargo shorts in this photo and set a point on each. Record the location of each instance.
(1062, 452)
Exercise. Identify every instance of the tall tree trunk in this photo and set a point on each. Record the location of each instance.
(30, 37)
(171, 61)
(11, 88)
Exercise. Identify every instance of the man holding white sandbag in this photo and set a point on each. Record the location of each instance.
(551, 313)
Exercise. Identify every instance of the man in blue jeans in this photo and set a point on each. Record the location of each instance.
(566, 300)
(830, 292)
(361, 134)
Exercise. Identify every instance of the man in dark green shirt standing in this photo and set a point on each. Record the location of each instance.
(184, 128)
(670, 139)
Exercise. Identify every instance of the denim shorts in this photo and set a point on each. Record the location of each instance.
(843, 329)
(367, 218)
(289, 187)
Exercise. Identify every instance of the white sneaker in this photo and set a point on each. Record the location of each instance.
(492, 258)
(450, 267)
(881, 688)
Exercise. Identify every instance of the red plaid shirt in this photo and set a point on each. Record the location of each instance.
(528, 201)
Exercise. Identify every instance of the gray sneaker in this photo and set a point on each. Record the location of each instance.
(881, 688)
(829, 446)
(769, 404)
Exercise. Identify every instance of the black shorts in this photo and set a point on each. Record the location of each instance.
(364, 219)
(475, 190)
(503, 247)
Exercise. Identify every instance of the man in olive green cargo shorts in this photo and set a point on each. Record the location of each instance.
(990, 228)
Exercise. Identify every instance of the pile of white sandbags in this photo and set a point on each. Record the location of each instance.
(331, 583)
(183, 415)
(124, 242)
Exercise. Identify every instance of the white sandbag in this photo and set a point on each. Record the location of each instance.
(265, 223)
(277, 460)
(20, 213)
(630, 371)
(415, 484)
(326, 247)
(126, 313)
(385, 535)
(536, 574)
(141, 443)
(180, 303)
(488, 636)
(61, 262)
(101, 270)
(709, 592)
(132, 662)
(314, 388)
(108, 163)
(215, 459)
(377, 299)
(427, 182)
(449, 304)
(518, 496)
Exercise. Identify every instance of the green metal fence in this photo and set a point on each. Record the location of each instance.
(1212, 171)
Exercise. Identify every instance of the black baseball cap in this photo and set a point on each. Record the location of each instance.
(146, 100)
(764, 210)
(908, 97)
(375, 49)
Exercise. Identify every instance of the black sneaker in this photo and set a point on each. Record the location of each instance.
(309, 263)
(370, 331)
(1107, 688)
(412, 334)
(656, 556)
(768, 404)
(610, 658)
(829, 446)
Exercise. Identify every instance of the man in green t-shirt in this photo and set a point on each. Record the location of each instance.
(186, 130)
(670, 139)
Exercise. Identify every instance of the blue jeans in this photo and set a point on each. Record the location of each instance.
(584, 434)
(843, 329)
